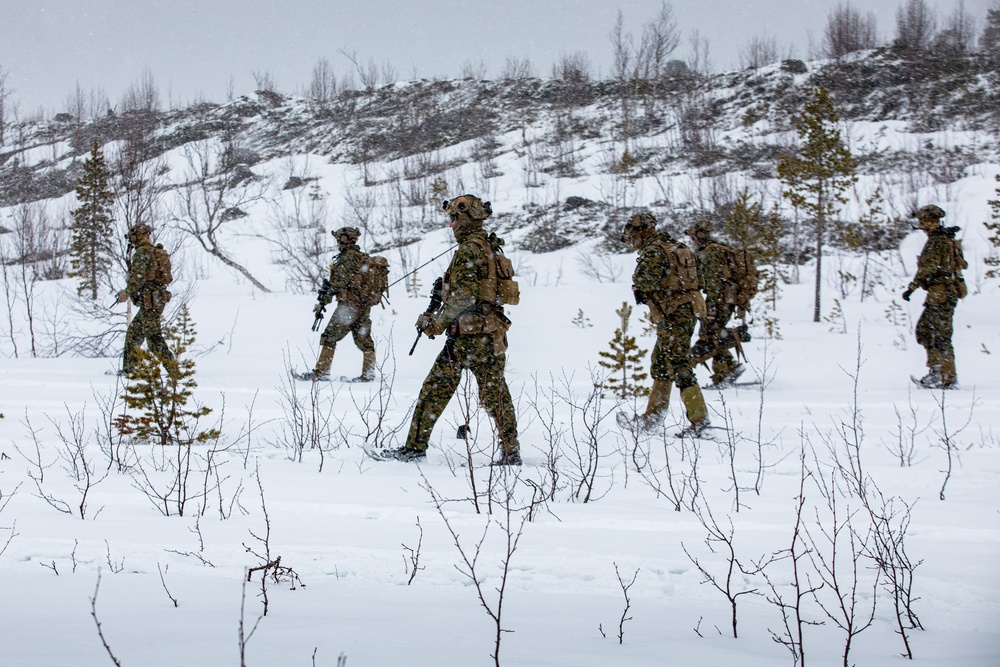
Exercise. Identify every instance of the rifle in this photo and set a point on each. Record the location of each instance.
(321, 295)
(728, 338)
(410, 273)
(432, 308)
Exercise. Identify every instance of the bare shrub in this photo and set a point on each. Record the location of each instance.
(847, 31)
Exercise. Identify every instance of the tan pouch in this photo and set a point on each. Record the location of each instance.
(470, 323)
(510, 292)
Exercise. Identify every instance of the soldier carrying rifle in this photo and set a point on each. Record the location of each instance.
(358, 282)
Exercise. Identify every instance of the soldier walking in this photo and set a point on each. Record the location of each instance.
(666, 280)
(716, 281)
(472, 316)
(149, 275)
(353, 312)
(939, 273)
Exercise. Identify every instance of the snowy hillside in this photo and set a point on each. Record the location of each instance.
(607, 547)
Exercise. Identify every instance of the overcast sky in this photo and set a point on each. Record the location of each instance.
(193, 48)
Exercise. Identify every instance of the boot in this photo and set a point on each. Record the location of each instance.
(933, 378)
(508, 459)
(367, 367)
(694, 405)
(947, 372)
(659, 401)
(322, 370)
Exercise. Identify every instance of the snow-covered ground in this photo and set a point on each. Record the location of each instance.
(173, 588)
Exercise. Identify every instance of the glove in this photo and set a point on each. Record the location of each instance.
(907, 294)
(428, 326)
(702, 347)
(640, 296)
(319, 309)
(122, 296)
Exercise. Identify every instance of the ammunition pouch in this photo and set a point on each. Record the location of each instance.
(937, 295)
(961, 290)
(667, 302)
(155, 298)
(491, 322)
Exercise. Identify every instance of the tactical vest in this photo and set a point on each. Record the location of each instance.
(493, 292)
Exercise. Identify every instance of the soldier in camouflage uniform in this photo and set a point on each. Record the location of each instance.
(675, 313)
(477, 337)
(712, 276)
(352, 316)
(151, 298)
(939, 272)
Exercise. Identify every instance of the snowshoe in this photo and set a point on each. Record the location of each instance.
(698, 431)
(310, 376)
(403, 455)
(508, 459)
(360, 378)
(645, 423)
(930, 381)
(730, 380)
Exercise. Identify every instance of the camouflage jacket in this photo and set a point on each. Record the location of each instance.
(469, 266)
(937, 264)
(344, 273)
(712, 272)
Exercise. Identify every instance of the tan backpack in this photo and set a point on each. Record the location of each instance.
(683, 274)
(499, 287)
(740, 275)
(373, 280)
(957, 265)
(159, 272)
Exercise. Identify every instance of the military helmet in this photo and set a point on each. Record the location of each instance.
(471, 205)
(929, 212)
(638, 221)
(347, 235)
(700, 228)
(138, 229)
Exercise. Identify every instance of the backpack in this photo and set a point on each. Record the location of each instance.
(159, 272)
(373, 280)
(740, 276)
(683, 273)
(499, 287)
(957, 264)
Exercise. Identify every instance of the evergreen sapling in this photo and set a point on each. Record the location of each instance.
(158, 391)
(624, 360)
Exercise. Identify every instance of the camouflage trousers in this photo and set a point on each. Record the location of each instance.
(718, 317)
(348, 319)
(145, 327)
(671, 357)
(936, 326)
(475, 353)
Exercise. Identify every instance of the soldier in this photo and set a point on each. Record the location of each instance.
(666, 279)
(472, 316)
(713, 276)
(149, 275)
(353, 313)
(939, 272)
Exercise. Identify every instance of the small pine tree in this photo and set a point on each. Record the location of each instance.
(159, 391)
(93, 226)
(994, 228)
(816, 177)
(624, 360)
